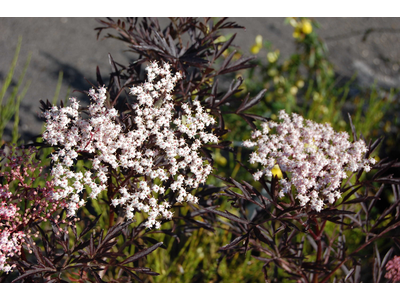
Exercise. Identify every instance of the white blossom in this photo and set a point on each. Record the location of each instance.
(315, 157)
(156, 123)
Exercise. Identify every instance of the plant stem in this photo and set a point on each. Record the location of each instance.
(319, 230)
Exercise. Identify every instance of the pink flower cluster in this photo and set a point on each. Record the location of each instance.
(160, 145)
(22, 201)
(10, 243)
(393, 269)
(314, 156)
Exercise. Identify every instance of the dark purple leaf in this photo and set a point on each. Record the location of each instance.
(33, 272)
(246, 104)
(228, 215)
(141, 254)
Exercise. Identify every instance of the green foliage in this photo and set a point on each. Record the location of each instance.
(10, 107)
(306, 83)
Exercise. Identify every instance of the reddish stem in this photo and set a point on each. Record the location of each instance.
(319, 232)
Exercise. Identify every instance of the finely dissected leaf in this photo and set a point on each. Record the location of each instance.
(91, 248)
(224, 46)
(96, 276)
(112, 233)
(115, 71)
(384, 169)
(256, 192)
(200, 224)
(374, 145)
(332, 212)
(361, 199)
(228, 216)
(250, 103)
(387, 257)
(388, 180)
(234, 242)
(238, 185)
(89, 227)
(141, 254)
(131, 274)
(153, 241)
(33, 272)
(232, 89)
(263, 236)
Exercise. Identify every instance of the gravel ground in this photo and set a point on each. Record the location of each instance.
(69, 45)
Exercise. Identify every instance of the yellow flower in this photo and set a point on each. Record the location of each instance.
(306, 27)
(277, 171)
(255, 49)
(296, 33)
(273, 56)
(257, 46)
(220, 39)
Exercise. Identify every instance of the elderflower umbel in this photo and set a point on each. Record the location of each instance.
(315, 157)
(159, 146)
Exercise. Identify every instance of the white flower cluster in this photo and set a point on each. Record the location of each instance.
(7, 211)
(160, 145)
(315, 157)
(10, 244)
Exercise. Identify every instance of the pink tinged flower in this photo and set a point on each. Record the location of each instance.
(316, 157)
(393, 269)
(103, 137)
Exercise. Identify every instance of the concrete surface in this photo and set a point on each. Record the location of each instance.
(70, 45)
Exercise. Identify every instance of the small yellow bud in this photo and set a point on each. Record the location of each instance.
(272, 72)
(300, 84)
(220, 39)
(342, 123)
(273, 56)
(255, 49)
(324, 109)
(306, 27)
(236, 56)
(225, 53)
(293, 90)
(316, 96)
(296, 33)
(259, 40)
(293, 22)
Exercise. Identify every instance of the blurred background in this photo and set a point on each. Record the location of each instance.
(364, 47)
